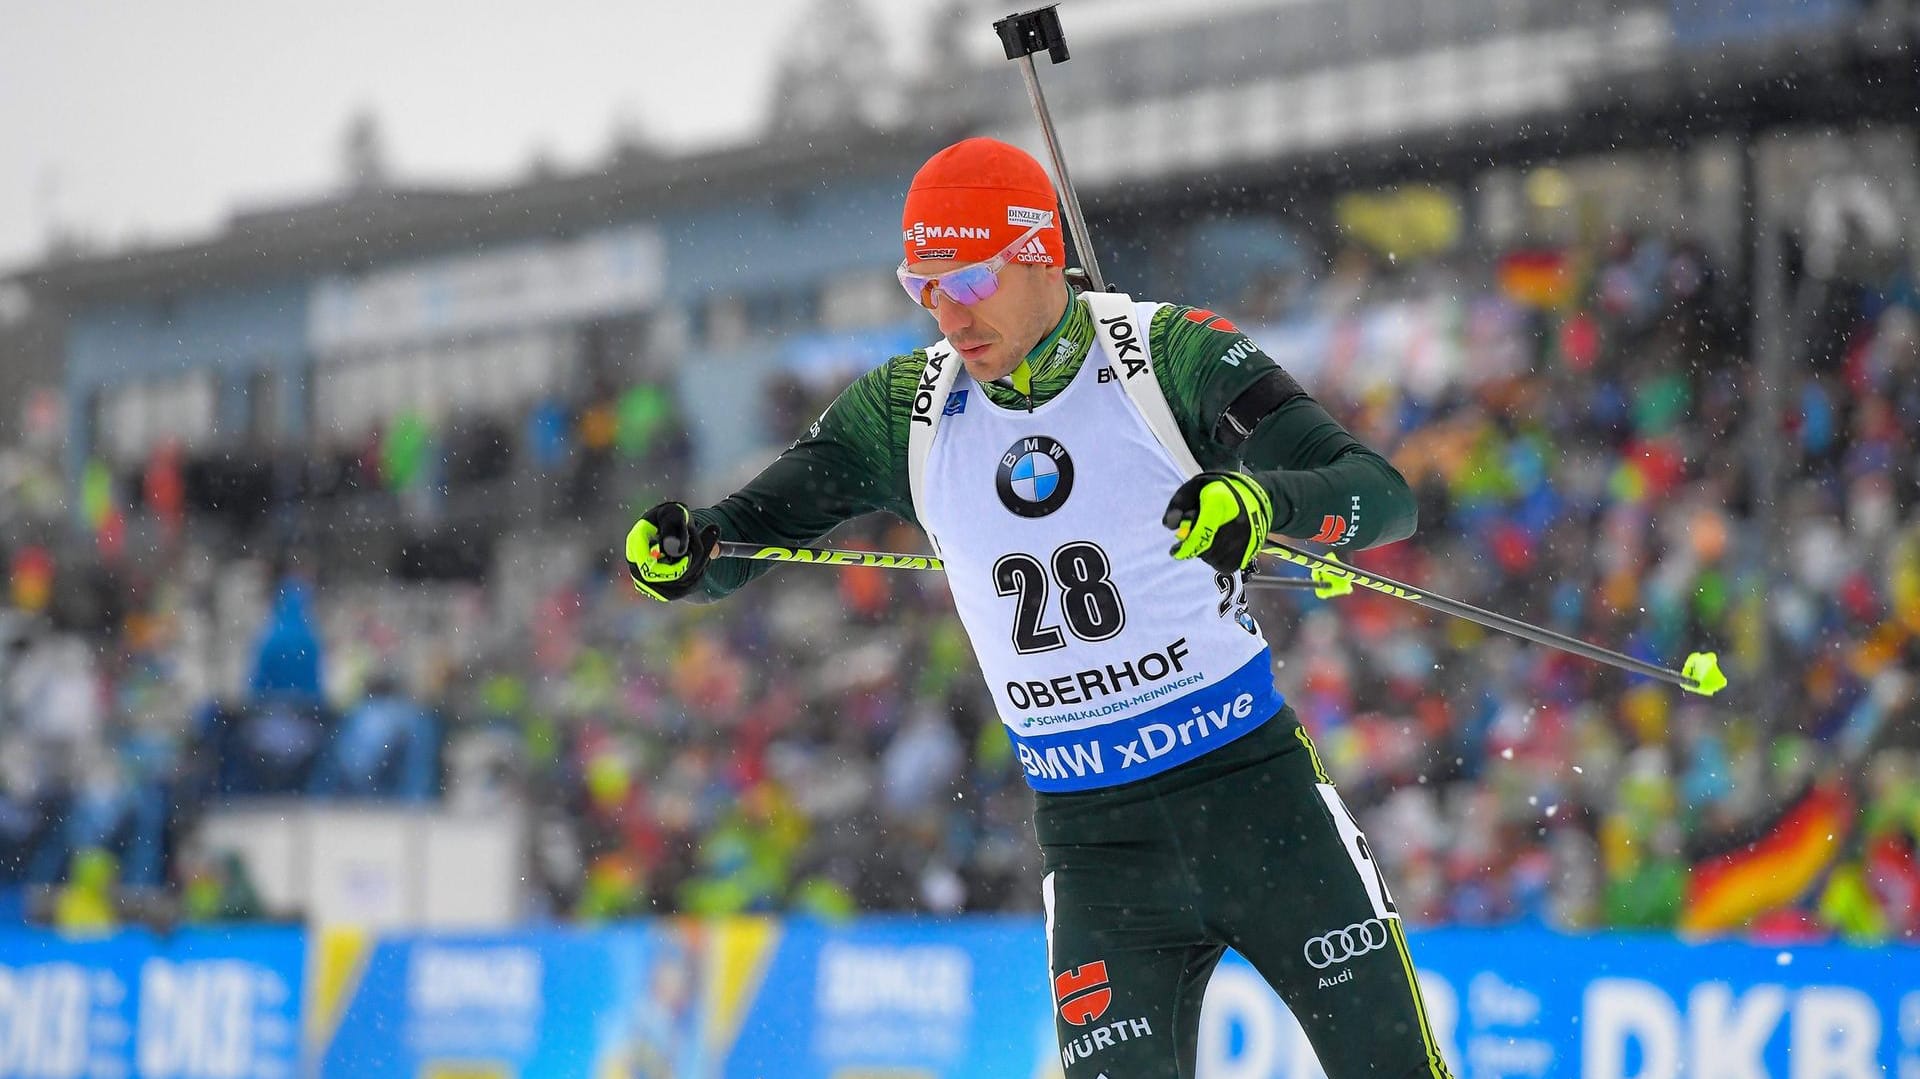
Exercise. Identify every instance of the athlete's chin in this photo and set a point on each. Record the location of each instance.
(985, 363)
(982, 367)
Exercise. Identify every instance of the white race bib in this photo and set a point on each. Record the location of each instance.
(1109, 660)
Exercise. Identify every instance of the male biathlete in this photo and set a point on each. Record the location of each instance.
(1046, 445)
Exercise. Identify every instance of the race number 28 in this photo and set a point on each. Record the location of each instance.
(1089, 602)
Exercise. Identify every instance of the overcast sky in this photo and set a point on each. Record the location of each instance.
(129, 120)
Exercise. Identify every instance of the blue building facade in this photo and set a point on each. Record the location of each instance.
(711, 294)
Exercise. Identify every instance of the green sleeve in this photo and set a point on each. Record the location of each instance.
(851, 461)
(1324, 483)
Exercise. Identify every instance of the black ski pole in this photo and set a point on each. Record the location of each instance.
(1022, 35)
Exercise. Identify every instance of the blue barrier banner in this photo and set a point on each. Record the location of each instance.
(560, 1003)
(66, 1007)
(209, 1004)
(1530, 1003)
(893, 996)
(969, 998)
(913, 997)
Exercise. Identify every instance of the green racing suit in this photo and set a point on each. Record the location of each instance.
(853, 459)
(1247, 846)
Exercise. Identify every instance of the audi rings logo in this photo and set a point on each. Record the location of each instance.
(1341, 945)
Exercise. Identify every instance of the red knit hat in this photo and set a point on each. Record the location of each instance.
(972, 199)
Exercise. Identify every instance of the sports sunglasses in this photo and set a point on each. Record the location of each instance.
(968, 284)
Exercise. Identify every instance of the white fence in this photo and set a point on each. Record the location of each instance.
(378, 866)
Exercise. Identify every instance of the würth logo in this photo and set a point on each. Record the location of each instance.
(1241, 350)
(1083, 993)
(1338, 531)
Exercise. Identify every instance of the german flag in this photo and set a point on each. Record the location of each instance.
(1537, 278)
(1770, 865)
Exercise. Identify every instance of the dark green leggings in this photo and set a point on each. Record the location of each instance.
(1246, 848)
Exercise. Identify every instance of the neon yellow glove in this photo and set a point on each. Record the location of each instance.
(666, 555)
(1221, 518)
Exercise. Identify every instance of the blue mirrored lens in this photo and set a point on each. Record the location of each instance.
(970, 284)
(966, 285)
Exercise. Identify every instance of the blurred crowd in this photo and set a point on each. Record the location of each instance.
(1577, 423)
(1593, 471)
(155, 665)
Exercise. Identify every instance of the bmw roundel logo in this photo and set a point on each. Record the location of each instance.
(1035, 477)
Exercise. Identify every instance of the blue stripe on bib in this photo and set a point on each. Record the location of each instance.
(1145, 745)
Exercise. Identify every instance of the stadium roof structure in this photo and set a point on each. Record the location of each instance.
(1846, 72)
(1848, 75)
(358, 229)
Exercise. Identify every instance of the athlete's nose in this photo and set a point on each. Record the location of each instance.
(951, 314)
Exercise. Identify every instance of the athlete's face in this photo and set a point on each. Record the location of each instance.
(994, 335)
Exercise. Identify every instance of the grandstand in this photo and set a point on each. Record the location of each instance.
(314, 615)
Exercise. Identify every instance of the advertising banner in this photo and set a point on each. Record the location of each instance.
(893, 997)
(1515, 1003)
(212, 1004)
(914, 999)
(497, 1006)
